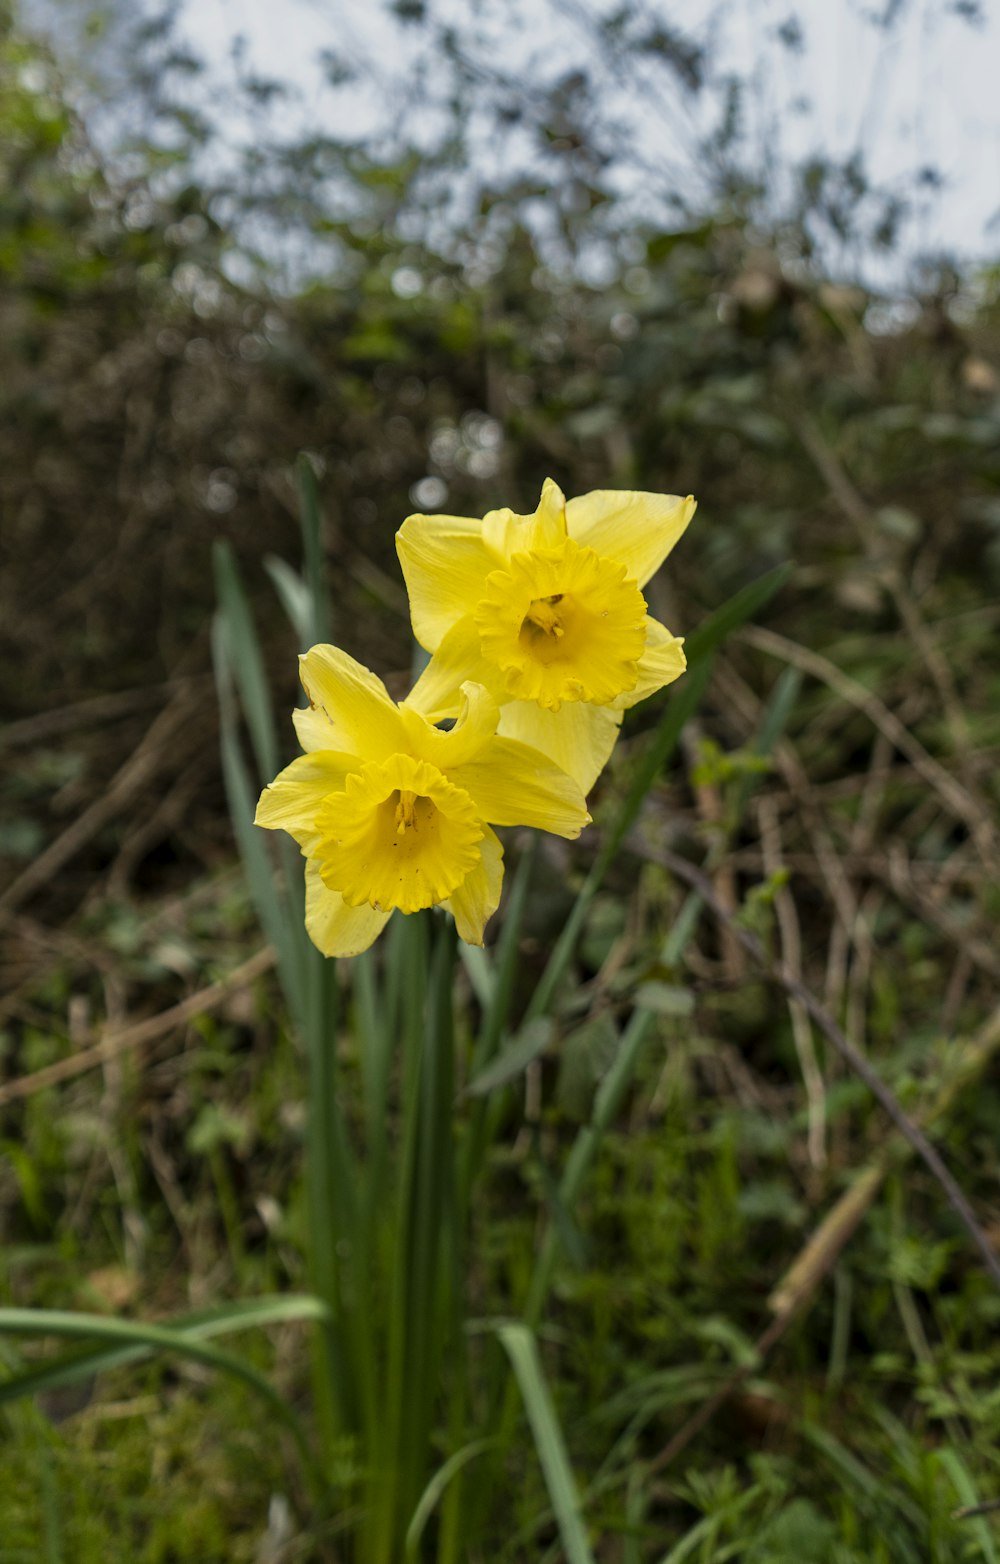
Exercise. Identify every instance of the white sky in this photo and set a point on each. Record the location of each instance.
(924, 92)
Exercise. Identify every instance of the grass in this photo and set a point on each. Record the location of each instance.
(857, 1440)
(172, 1178)
(713, 1306)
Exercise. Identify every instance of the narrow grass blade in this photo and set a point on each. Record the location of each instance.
(783, 700)
(50, 1506)
(703, 1531)
(311, 519)
(485, 1113)
(636, 1505)
(279, 914)
(344, 1361)
(734, 612)
(681, 931)
(433, 1493)
(246, 661)
(294, 597)
(607, 1101)
(520, 1347)
(431, 1233)
(202, 1326)
(479, 970)
(376, 1048)
(337, 1244)
(530, 1041)
(961, 1480)
(161, 1338)
(423, 1267)
(772, 726)
(506, 960)
(871, 1493)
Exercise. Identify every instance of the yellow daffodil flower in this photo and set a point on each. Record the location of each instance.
(391, 812)
(546, 612)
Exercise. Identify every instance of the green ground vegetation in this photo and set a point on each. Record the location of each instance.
(839, 787)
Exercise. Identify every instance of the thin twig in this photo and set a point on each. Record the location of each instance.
(910, 1131)
(116, 1043)
(699, 1420)
(791, 945)
(44, 725)
(957, 798)
(141, 765)
(824, 1247)
(859, 513)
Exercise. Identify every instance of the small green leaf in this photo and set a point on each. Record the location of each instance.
(520, 1346)
(532, 1040)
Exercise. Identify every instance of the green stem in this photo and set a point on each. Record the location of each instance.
(424, 1310)
(341, 1399)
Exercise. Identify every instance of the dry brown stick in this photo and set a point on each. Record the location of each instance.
(823, 1249)
(863, 941)
(887, 871)
(859, 513)
(853, 784)
(700, 1419)
(791, 944)
(901, 882)
(116, 1043)
(803, 800)
(96, 708)
(789, 1298)
(871, 864)
(136, 771)
(708, 800)
(842, 1219)
(854, 943)
(968, 1511)
(800, 794)
(954, 868)
(910, 1131)
(958, 799)
(156, 825)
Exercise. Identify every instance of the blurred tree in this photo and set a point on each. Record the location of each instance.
(162, 372)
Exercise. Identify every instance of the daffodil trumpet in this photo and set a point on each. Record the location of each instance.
(393, 813)
(546, 612)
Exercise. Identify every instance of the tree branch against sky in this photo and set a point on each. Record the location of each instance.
(877, 122)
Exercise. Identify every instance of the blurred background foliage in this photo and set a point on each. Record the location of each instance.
(177, 325)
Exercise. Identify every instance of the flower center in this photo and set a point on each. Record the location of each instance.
(542, 628)
(399, 835)
(406, 810)
(563, 624)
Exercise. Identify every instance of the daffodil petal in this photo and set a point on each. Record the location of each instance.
(507, 533)
(478, 896)
(335, 928)
(578, 738)
(365, 721)
(661, 663)
(636, 529)
(474, 728)
(512, 784)
(458, 660)
(293, 800)
(313, 728)
(445, 561)
(550, 517)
